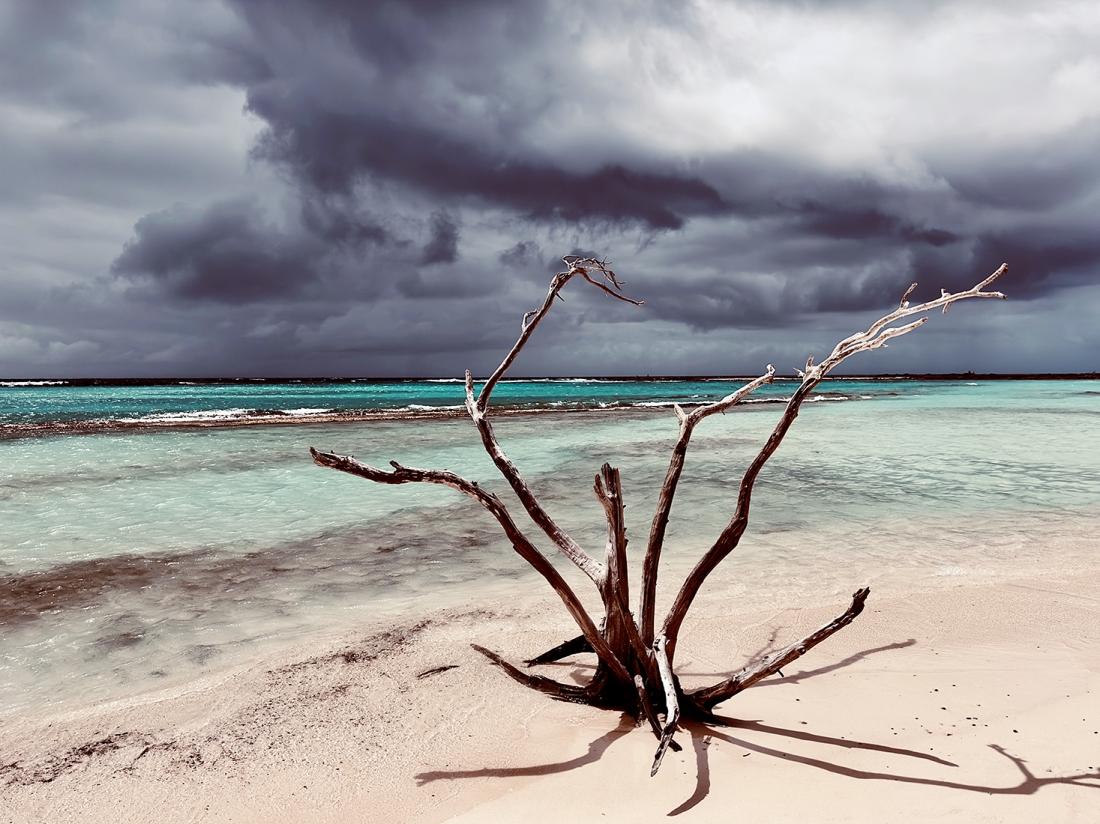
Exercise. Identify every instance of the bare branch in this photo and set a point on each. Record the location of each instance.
(659, 527)
(635, 670)
(615, 586)
(611, 285)
(562, 540)
(523, 546)
(478, 407)
(608, 489)
(864, 341)
(709, 697)
(574, 646)
(875, 336)
(576, 266)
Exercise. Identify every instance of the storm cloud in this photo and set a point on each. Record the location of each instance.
(223, 252)
(324, 187)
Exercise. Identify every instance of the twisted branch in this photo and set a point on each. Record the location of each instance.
(635, 660)
(478, 407)
(672, 707)
(709, 697)
(688, 422)
(523, 546)
(876, 336)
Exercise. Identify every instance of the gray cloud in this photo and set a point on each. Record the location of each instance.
(524, 254)
(333, 152)
(225, 252)
(443, 245)
(422, 165)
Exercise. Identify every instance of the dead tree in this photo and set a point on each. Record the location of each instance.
(635, 661)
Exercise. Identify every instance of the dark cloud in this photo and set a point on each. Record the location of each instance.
(374, 113)
(225, 253)
(1037, 177)
(340, 223)
(442, 247)
(834, 220)
(1037, 265)
(524, 254)
(743, 302)
(334, 151)
(383, 124)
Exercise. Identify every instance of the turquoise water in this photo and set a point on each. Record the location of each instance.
(45, 407)
(134, 556)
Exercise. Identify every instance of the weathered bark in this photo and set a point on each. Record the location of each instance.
(574, 646)
(523, 546)
(555, 689)
(668, 493)
(635, 668)
(710, 697)
(876, 336)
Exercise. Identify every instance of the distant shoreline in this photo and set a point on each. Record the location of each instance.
(117, 426)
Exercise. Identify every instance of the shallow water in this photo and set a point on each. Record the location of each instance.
(58, 405)
(133, 558)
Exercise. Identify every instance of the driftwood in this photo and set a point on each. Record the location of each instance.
(635, 662)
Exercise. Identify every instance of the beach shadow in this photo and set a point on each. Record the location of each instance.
(846, 743)
(700, 741)
(702, 735)
(802, 675)
(595, 751)
(854, 658)
(1029, 785)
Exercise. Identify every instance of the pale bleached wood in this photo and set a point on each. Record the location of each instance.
(614, 589)
(672, 705)
(562, 540)
(478, 407)
(688, 422)
(609, 282)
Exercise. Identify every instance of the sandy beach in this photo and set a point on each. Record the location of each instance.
(973, 703)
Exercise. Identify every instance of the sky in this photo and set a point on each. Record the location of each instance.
(296, 188)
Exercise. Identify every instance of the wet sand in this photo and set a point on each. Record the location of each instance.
(975, 703)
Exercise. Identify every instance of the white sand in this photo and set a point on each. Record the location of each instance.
(968, 704)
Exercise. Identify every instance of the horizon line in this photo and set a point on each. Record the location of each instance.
(946, 376)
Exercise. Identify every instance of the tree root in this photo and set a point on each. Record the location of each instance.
(555, 689)
(573, 646)
(707, 698)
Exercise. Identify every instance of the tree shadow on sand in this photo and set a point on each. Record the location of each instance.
(802, 675)
(703, 734)
(595, 751)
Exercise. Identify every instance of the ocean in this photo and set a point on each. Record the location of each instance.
(149, 533)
